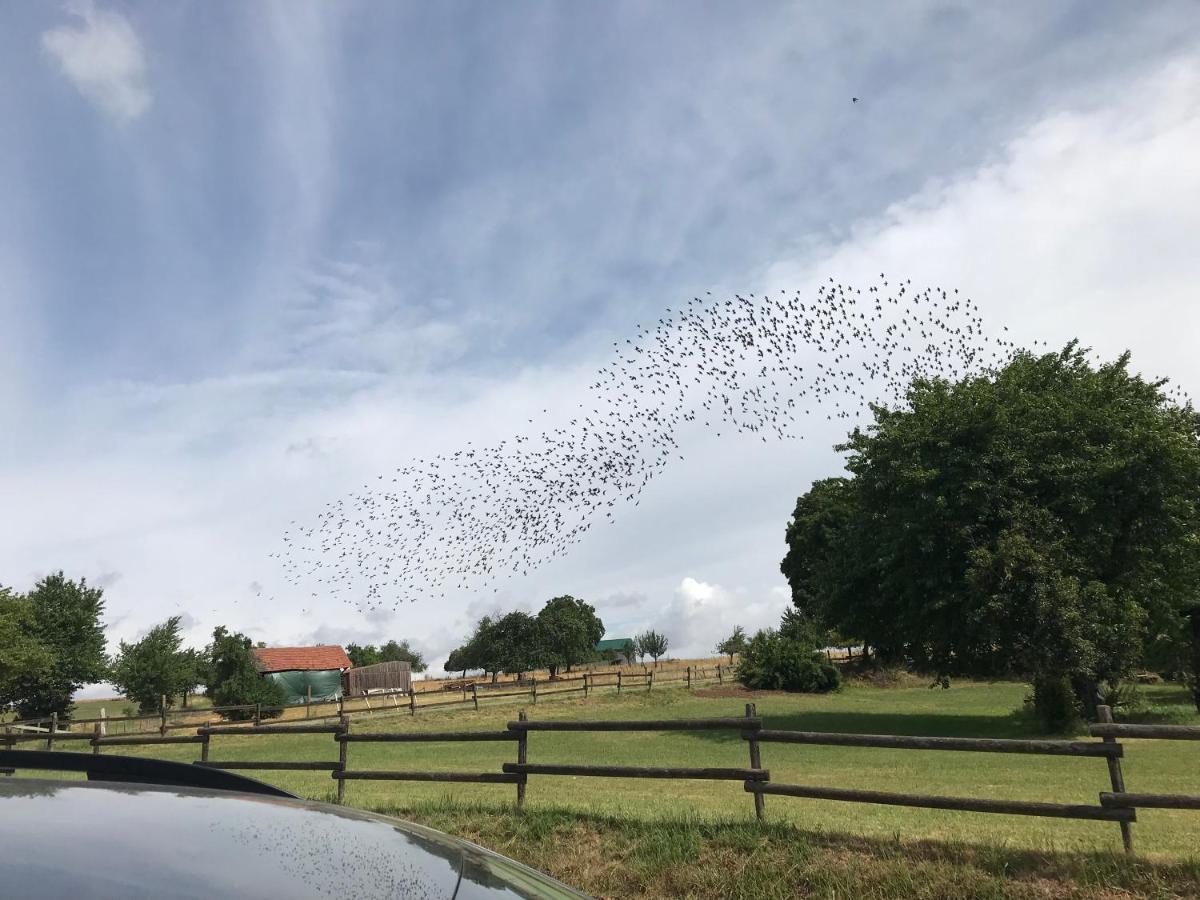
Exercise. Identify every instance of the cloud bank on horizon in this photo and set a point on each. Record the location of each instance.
(252, 256)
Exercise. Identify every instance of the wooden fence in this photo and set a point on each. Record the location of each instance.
(49, 729)
(1115, 805)
(1119, 798)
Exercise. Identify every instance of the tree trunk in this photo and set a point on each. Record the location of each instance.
(1087, 691)
(1194, 619)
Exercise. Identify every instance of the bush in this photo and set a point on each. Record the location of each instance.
(774, 662)
(247, 687)
(1055, 704)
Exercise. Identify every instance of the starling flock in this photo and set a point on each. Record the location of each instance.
(758, 365)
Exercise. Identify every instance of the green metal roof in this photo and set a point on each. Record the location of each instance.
(612, 644)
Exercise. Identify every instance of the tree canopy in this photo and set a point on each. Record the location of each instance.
(1042, 519)
(652, 643)
(367, 655)
(735, 643)
(157, 666)
(24, 658)
(570, 629)
(56, 629)
(232, 677)
(392, 651)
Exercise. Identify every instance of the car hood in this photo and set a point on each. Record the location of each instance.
(99, 839)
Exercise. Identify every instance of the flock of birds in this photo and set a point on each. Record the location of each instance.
(760, 365)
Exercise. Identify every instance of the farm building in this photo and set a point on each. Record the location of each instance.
(300, 669)
(386, 677)
(616, 649)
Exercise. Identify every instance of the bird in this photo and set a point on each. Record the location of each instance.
(751, 364)
(853, 99)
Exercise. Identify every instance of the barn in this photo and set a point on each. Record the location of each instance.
(616, 649)
(300, 669)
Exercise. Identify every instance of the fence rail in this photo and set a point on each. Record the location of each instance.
(1120, 798)
(1115, 805)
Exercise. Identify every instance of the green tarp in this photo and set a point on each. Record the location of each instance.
(326, 685)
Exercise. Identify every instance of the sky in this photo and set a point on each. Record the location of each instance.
(252, 254)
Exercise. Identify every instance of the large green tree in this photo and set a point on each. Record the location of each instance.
(234, 680)
(517, 644)
(400, 651)
(157, 666)
(570, 629)
(1042, 519)
(479, 652)
(63, 616)
(363, 655)
(23, 656)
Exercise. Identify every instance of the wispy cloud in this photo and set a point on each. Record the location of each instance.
(103, 57)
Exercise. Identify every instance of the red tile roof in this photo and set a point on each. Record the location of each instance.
(288, 659)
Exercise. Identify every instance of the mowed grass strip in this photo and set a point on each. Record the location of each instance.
(624, 856)
(968, 709)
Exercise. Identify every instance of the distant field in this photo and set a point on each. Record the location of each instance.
(967, 709)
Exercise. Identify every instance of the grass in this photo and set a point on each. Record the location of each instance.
(826, 847)
(622, 856)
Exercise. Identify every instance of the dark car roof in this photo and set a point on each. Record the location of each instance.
(101, 839)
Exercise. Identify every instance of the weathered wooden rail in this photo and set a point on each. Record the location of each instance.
(1119, 798)
(346, 737)
(1115, 805)
(1107, 749)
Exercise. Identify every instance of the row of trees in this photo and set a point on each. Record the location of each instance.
(52, 643)
(392, 651)
(563, 634)
(1040, 521)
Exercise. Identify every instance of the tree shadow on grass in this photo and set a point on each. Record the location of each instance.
(1014, 724)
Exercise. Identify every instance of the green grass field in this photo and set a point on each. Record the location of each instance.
(967, 709)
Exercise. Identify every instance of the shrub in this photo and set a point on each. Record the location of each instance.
(1055, 704)
(774, 662)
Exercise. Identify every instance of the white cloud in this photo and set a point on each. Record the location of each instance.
(1081, 225)
(102, 56)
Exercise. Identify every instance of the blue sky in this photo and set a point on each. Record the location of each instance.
(251, 253)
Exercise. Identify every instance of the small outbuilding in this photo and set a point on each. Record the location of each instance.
(616, 650)
(299, 670)
(380, 678)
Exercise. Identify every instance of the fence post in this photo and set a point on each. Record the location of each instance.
(342, 751)
(341, 705)
(1116, 777)
(53, 730)
(689, 678)
(475, 695)
(97, 733)
(533, 690)
(618, 683)
(257, 714)
(204, 747)
(755, 763)
(585, 685)
(650, 680)
(162, 715)
(720, 680)
(412, 703)
(522, 758)
(308, 703)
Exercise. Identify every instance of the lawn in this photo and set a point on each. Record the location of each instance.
(967, 709)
